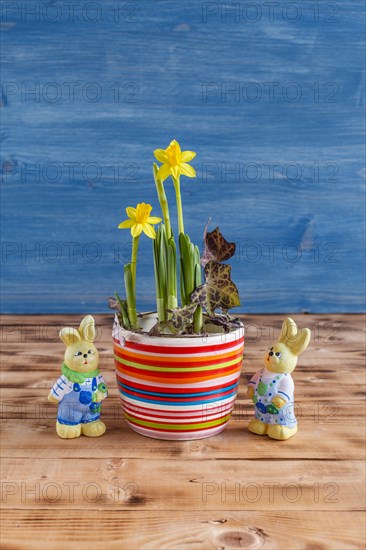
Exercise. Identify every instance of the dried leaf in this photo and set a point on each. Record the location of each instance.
(219, 291)
(181, 322)
(113, 304)
(216, 247)
(182, 317)
(122, 308)
(225, 321)
(158, 328)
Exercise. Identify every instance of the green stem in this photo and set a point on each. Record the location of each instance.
(198, 320)
(178, 197)
(162, 200)
(171, 256)
(135, 247)
(130, 295)
(130, 283)
(160, 271)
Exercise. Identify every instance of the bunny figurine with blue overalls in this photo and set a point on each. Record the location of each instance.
(272, 388)
(80, 389)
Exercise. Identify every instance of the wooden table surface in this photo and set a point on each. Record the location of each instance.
(235, 490)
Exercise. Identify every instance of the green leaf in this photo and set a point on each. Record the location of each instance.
(183, 293)
(216, 248)
(219, 290)
(159, 248)
(171, 267)
(188, 255)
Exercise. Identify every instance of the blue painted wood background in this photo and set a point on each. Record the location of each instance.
(270, 95)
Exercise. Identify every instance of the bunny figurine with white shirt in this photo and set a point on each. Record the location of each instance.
(80, 389)
(272, 388)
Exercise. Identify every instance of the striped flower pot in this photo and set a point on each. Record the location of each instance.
(177, 388)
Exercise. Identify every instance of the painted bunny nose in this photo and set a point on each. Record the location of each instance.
(270, 353)
(86, 355)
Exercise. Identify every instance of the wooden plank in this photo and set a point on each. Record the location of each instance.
(200, 530)
(163, 484)
(346, 337)
(310, 383)
(29, 406)
(19, 402)
(337, 342)
(314, 440)
(235, 480)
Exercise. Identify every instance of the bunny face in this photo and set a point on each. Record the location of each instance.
(279, 358)
(282, 356)
(81, 355)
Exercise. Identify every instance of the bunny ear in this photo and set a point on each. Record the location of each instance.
(87, 328)
(300, 342)
(288, 331)
(69, 336)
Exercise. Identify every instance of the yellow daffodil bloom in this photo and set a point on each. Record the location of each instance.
(174, 162)
(139, 220)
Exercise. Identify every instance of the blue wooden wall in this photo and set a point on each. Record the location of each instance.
(269, 94)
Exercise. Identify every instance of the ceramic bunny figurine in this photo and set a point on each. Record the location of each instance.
(80, 389)
(272, 387)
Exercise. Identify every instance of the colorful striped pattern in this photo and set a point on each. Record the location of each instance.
(177, 389)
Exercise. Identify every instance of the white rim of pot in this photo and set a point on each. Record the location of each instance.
(147, 320)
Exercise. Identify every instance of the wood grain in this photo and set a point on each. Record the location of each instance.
(315, 440)
(282, 174)
(235, 490)
(199, 530)
(197, 485)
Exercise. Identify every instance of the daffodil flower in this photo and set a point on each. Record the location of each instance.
(139, 220)
(175, 162)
